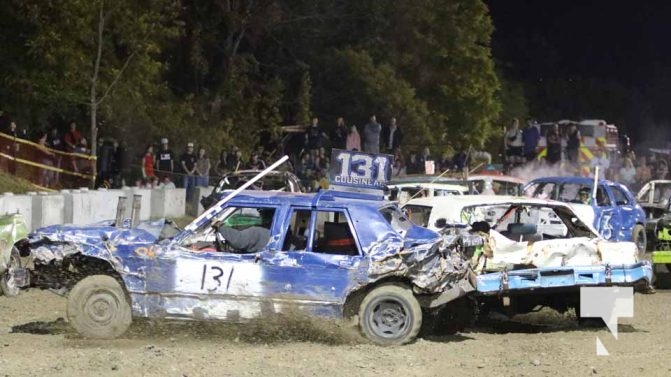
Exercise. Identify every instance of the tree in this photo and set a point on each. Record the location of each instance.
(443, 48)
(83, 48)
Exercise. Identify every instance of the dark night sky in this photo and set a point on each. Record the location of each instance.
(623, 40)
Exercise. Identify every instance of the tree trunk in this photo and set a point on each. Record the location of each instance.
(94, 138)
(94, 95)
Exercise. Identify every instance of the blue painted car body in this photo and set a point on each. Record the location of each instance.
(168, 278)
(616, 211)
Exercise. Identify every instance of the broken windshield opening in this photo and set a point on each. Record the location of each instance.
(395, 217)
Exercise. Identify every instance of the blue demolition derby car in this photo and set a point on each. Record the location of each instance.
(343, 253)
(614, 211)
(333, 254)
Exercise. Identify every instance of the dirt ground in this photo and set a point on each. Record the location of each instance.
(35, 340)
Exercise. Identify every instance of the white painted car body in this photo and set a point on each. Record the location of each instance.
(563, 233)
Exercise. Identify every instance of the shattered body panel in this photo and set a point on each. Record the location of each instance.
(508, 263)
(654, 198)
(519, 237)
(185, 276)
(12, 229)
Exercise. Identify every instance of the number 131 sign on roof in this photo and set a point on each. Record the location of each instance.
(359, 169)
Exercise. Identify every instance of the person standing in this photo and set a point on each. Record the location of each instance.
(553, 145)
(573, 144)
(55, 142)
(256, 163)
(643, 172)
(188, 163)
(234, 160)
(221, 167)
(148, 163)
(72, 137)
(514, 143)
(353, 139)
(339, 138)
(392, 137)
(601, 161)
(202, 168)
(371, 136)
(45, 158)
(165, 164)
(530, 137)
(628, 173)
(314, 137)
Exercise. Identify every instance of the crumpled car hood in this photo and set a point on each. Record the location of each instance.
(421, 258)
(145, 232)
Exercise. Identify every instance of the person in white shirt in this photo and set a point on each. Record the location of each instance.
(601, 161)
(514, 143)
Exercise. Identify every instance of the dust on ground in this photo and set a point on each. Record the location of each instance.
(35, 340)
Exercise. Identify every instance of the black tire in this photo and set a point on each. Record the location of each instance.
(639, 237)
(7, 285)
(390, 315)
(451, 318)
(97, 308)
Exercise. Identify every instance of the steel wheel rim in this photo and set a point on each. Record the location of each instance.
(389, 318)
(101, 307)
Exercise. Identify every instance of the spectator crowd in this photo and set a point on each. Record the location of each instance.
(63, 160)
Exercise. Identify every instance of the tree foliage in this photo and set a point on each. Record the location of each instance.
(233, 71)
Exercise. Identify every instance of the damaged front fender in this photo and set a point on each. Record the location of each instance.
(13, 228)
(436, 272)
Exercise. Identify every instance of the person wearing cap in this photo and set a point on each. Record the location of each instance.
(188, 163)
(165, 159)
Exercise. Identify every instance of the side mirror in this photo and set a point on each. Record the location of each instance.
(441, 223)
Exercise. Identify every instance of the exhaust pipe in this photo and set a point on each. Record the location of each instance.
(120, 212)
(135, 210)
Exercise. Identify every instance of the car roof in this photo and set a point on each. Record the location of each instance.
(505, 178)
(324, 198)
(472, 200)
(435, 185)
(572, 179)
(450, 207)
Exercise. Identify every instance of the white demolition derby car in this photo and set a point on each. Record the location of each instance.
(529, 253)
(521, 231)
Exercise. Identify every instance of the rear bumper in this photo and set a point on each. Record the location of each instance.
(538, 280)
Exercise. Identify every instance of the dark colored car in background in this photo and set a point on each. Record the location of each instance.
(273, 181)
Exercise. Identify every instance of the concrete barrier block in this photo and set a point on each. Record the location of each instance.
(47, 210)
(104, 203)
(145, 202)
(79, 207)
(23, 204)
(195, 208)
(168, 203)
